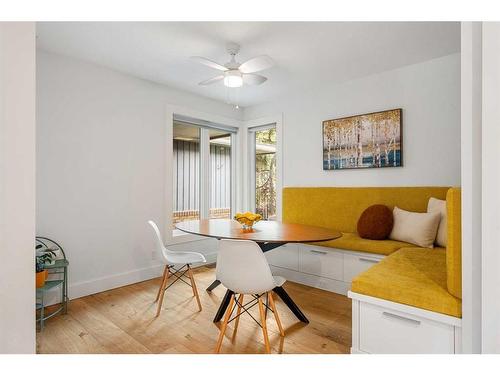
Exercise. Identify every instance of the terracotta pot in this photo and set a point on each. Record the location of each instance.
(40, 278)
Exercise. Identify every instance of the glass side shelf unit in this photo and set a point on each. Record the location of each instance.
(57, 279)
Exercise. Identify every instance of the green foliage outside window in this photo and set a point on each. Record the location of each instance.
(265, 173)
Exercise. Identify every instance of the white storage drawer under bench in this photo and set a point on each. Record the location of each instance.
(385, 327)
(321, 261)
(320, 267)
(355, 263)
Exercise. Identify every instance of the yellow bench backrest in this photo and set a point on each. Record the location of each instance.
(454, 244)
(340, 208)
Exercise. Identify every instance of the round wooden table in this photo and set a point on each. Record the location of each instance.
(268, 235)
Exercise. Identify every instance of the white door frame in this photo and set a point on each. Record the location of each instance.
(471, 166)
(490, 277)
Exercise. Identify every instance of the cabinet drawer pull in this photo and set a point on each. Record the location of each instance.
(369, 260)
(319, 252)
(412, 321)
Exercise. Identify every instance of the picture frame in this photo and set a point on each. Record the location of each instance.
(370, 140)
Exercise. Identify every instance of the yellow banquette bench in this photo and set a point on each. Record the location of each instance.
(428, 279)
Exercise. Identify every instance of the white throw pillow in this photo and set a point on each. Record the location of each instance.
(439, 205)
(415, 227)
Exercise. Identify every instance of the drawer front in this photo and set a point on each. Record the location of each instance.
(355, 264)
(319, 261)
(386, 331)
(286, 256)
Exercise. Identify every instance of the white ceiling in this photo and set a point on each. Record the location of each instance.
(305, 53)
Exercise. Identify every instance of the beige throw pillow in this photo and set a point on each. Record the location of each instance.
(439, 205)
(415, 227)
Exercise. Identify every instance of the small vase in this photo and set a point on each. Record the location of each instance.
(247, 227)
(40, 278)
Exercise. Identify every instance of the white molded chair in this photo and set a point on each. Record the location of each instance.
(243, 269)
(173, 259)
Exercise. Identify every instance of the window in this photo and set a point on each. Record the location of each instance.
(202, 170)
(263, 170)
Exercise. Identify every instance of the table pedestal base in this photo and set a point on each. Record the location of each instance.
(223, 305)
(214, 285)
(291, 305)
(278, 290)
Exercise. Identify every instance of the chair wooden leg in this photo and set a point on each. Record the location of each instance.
(238, 312)
(224, 325)
(161, 284)
(276, 316)
(162, 292)
(266, 305)
(264, 326)
(193, 285)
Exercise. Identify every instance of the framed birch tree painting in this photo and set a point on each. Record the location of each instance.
(372, 140)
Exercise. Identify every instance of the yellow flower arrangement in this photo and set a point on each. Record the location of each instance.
(247, 219)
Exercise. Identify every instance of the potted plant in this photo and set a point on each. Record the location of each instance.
(42, 258)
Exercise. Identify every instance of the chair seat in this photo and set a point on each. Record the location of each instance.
(279, 280)
(180, 257)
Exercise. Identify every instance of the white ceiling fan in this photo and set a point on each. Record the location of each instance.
(236, 74)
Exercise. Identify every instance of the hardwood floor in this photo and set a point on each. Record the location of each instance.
(123, 320)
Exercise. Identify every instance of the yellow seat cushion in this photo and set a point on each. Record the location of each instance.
(411, 276)
(352, 241)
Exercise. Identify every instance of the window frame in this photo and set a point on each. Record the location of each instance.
(203, 121)
(251, 127)
(251, 162)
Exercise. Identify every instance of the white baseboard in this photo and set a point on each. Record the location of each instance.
(211, 258)
(86, 288)
(102, 284)
(355, 351)
(331, 285)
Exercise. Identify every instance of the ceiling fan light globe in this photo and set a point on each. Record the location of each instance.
(233, 81)
(233, 78)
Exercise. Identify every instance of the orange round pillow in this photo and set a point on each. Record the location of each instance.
(375, 223)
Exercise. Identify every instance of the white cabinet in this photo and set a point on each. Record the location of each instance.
(286, 256)
(384, 327)
(319, 266)
(355, 264)
(321, 261)
(387, 331)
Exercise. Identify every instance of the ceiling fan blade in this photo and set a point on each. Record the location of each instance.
(253, 79)
(209, 63)
(256, 64)
(211, 80)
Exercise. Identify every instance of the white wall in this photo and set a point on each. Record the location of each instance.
(17, 187)
(429, 94)
(101, 162)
